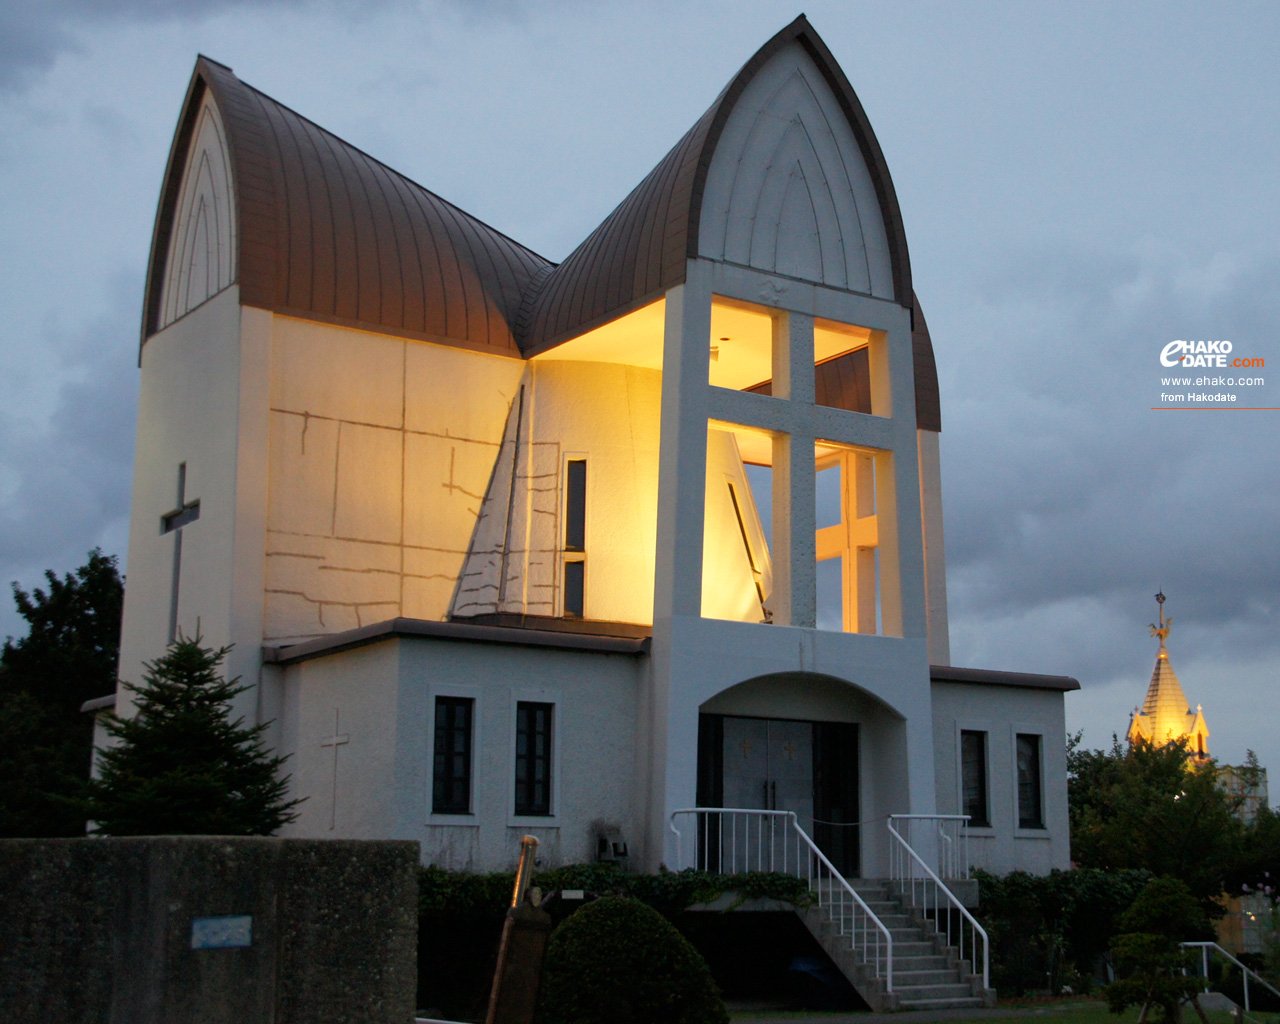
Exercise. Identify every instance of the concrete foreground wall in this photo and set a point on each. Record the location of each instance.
(103, 930)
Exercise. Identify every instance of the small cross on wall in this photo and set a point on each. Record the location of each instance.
(183, 514)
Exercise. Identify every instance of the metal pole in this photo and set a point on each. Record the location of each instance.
(525, 869)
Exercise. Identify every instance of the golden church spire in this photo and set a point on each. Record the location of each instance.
(1166, 715)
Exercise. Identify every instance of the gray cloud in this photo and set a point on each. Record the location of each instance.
(1069, 501)
(32, 35)
(70, 477)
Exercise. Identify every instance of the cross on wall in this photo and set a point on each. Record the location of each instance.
(335, 741)
(183, 514)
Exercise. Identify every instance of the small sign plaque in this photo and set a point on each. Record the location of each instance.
(222, 932)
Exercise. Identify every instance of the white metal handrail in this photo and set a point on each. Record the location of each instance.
(1205, 948)
(789, 849)
(921, 877)
(952, 833)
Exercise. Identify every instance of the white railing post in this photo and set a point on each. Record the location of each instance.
(907, 858)
(838, 900)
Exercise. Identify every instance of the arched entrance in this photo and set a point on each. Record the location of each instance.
(802, 742)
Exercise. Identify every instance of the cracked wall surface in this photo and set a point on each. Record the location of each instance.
(608, 415)
(381, 451)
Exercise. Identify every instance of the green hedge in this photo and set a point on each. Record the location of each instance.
(1053, 930)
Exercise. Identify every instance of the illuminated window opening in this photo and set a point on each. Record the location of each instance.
(737, 571)
(741, 346)
(842, 372)
(848, 536)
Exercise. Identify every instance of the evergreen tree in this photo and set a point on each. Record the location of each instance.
(180, 767)
(68, 657)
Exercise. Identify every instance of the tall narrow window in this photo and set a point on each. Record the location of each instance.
(533, 758)
(1030, 812)
(973, 776)
(575, 537)
(451, 777)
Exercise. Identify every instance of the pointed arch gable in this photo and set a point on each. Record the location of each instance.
(788, 190)
(201, 257)
(645, 242)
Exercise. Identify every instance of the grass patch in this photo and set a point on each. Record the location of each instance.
(1078, 1010)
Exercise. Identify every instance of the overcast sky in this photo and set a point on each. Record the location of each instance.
(1081, 184)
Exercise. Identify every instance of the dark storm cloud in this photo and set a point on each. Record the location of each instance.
(67, 481)
(1069, 500)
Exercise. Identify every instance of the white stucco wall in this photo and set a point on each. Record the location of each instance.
(202, 402)
(384, 697)
(1002, 712)
(381, 451)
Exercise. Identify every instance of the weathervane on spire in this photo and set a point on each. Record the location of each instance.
(1162, 630)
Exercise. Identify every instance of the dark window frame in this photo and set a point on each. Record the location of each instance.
(975, 801)
(454, 742)
(574, 571)
(534, 761)
(1029, 756)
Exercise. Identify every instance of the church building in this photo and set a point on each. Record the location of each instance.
(506, 547)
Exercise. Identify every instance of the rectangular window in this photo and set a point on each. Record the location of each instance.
(533, 758)
(973, 776)
(451, 776)
(575, 505)
(1030, 813)
(575, 538)
(575, 588)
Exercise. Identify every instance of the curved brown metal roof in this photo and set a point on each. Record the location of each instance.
(928, 404)
(640, 249)
(328, 233)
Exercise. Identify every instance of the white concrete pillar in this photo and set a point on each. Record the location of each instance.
(682, 453)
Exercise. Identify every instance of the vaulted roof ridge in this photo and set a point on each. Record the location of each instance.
(328, 232)
(639, 250)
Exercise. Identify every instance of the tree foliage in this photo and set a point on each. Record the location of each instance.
(181, 767)
(1148, 953)
(68, 656)
(1053, 930)
(1149, 807)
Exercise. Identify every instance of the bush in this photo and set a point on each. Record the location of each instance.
(460, 917)
(618, 961)
(1152, 962)
(1052, 930)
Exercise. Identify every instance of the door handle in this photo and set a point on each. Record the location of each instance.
(774, 784)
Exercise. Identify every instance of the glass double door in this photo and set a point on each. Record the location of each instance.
(810, 768)
(768, 765)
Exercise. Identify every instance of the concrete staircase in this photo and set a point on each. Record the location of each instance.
(927, 975)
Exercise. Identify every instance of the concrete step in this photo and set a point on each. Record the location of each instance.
(940, 976)
(911, 964)
(941, 1004)
(920, 993)
(908, 950)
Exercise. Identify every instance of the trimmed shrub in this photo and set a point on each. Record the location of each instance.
(618, 961)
